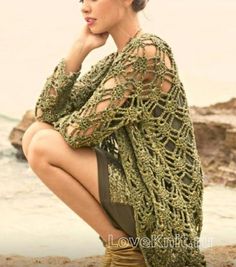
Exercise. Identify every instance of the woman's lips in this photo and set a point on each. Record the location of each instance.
(90, 21)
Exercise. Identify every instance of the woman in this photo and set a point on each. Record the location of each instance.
(118, 146)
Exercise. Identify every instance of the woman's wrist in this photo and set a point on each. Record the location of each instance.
(76, 57)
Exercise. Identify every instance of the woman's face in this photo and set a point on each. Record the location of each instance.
(104, 14)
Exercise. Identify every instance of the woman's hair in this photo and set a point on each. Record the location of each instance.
(139, 5)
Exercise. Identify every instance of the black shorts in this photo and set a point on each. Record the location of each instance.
(121, 215)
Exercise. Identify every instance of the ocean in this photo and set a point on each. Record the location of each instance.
(34, 36)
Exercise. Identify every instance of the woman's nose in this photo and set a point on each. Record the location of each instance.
(85, 7)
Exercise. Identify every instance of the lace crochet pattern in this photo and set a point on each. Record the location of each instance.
(133, 105)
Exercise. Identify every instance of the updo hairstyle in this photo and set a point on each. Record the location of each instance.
(139, 5)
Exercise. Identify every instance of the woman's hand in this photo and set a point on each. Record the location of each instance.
(92, 40)
(86, 42)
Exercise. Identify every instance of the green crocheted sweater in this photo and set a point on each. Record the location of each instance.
(133, 105)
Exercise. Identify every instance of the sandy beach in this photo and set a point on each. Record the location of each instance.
(220, 256)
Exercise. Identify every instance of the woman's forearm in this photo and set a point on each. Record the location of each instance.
(76, 57)
(55, 100)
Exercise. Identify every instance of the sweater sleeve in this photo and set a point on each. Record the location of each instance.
(63, 93)
(114, 103)
(54, 100)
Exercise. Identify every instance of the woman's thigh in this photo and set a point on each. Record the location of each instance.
(48, 146)
(31, 131)
(87, 165)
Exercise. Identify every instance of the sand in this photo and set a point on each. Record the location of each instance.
(218, 256)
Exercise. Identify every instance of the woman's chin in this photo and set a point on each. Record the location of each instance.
(95, 30)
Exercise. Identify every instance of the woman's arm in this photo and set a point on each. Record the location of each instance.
(115, 103)
(55, 99)
(60, 94)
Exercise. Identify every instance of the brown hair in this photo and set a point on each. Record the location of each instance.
(139, 5)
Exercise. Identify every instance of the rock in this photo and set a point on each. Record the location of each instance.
(221, 256)
(230, 138)
(231, 183)
(229, 173)
(215, 132)
(231, 105)
(17, 132)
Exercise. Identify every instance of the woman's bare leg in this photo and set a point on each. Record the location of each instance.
(31, 131)
(72, 176)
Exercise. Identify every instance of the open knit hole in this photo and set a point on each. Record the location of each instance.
(176, 123)
(168, 185)
(39, 112)
(168, 62)
(72, 131)
(171, 209)
(69, 130)
(157, 111)
(186, 179)
(189, 158)
(195, 215)
(52, 91)
(180, 100)
(190, 137)
(185, 198)
(167, 79)
(166, 85)
(170, 146)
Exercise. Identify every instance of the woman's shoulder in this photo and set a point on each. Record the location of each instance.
(148, 39)
(145, 41)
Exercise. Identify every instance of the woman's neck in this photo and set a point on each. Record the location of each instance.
(123, 33)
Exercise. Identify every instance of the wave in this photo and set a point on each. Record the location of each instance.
(7, 153)
(7, 118)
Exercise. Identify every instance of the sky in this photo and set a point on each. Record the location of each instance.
(35, 35)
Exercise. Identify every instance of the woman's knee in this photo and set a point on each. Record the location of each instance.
(39, 147)
(30, 132)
